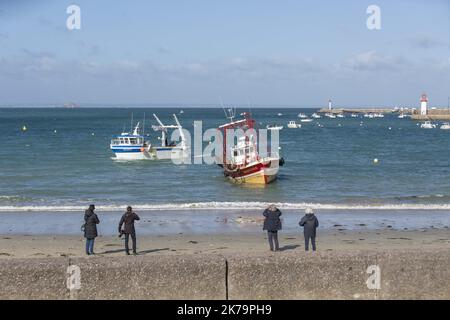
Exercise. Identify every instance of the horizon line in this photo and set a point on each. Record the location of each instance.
(188, 106)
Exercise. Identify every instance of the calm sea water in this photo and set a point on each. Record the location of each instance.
(330, 166)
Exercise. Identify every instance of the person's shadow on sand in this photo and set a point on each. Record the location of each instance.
(139, 252)
(289, 247)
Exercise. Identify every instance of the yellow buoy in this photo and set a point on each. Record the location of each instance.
(375, 161)
(24, 128)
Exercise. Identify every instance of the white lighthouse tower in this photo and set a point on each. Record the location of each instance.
(329, 104)
(423, 104)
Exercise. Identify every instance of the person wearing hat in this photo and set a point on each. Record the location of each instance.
(90, 228)
(272, 223)
(127, 221)
(309, 223)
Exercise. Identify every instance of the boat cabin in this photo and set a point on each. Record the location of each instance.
(245, 152)
(127, 140)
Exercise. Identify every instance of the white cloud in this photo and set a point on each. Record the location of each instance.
(371, 60)
(426, 42)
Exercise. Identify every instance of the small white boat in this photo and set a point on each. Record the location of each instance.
(401, 116)
(330, 115)
(428, 125)
(316, 116)
(293, 125)
(445, 126)
(306, 120)
(274, 127)
(340, 115)
(302, 116)
(279, 114)
(354, 115)
(170, 149)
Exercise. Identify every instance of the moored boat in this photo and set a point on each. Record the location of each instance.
(274, 127)
(130, 146)
(445, 126)
(169, 150)
(428, 125)
(243, 164)
(293, 125)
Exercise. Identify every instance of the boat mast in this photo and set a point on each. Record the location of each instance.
(180, 129)
(131, 125)
(163, 131)
(143, 125)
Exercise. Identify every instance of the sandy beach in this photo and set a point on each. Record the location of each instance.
(38, 246)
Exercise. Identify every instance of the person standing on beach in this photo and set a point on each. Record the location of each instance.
(309, 223)
(128, 221)
(272, 223)
(90, 228)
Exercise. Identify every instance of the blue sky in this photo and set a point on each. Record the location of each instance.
(297, 53)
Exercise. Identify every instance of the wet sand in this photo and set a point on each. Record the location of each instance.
(220, 222)
(38, 246)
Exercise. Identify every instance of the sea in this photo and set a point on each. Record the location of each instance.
(61, 163)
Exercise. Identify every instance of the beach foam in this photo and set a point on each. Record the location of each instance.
(227, 206)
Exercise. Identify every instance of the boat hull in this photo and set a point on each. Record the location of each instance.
(261, 173)
(155, 153)
(169, 153)
(131, 154)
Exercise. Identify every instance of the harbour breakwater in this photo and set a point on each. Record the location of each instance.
(396, 274)
(432, 114)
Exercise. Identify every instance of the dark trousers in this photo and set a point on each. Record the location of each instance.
(133, 238)
(313, 242)
(273, 239)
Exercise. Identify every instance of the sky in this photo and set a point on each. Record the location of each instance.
(202, 52)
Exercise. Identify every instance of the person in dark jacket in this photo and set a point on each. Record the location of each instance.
(272, 223)
(90, 228)
(309, 223)
(128, 222)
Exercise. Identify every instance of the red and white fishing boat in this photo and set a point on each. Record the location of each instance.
(243, 164)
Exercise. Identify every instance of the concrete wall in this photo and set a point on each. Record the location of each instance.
(282, 275)
(157, 277)
(403, 275)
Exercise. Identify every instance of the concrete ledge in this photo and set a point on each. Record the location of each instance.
(161, 277)
(43, 278)
(300, 276)
(418, 274)
(415, 275)
(340, 275)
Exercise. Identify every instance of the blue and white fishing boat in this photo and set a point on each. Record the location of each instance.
(130, 146)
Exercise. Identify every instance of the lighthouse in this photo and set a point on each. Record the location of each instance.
(329, 104)
(423, 104)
